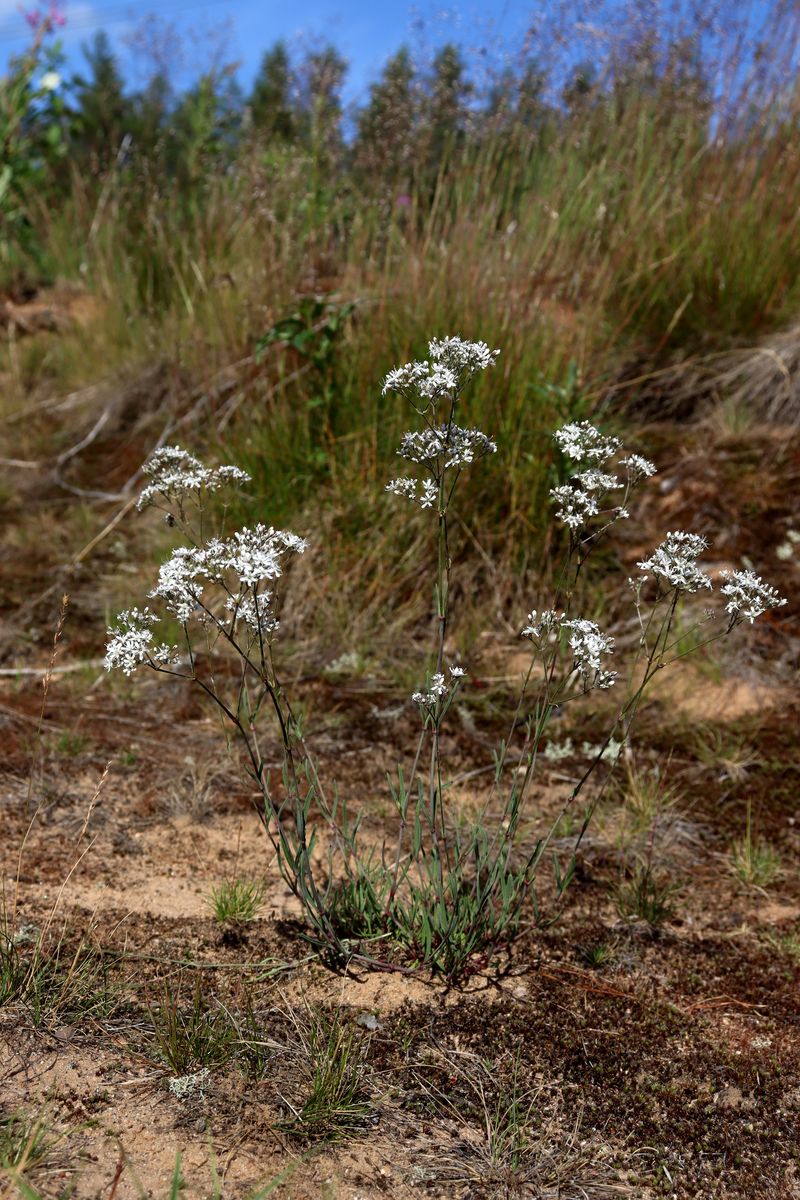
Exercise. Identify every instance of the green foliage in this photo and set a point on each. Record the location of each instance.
(188, 1038)
(445, 107)
(254, 1052)
(447, 906)
(71, 743)
(312, 331)
(335, 1101)
(101, 113)
(597, 955)
(359, 906)
(237, 901)
(647, 895)
(320, 77)
(787, 944)
(271, 110)
(727, 752)
(28, 1149)
(31, 138)
(645, 803)
(50, 980)
(24, 1141)
(202, 132)
(754, 862)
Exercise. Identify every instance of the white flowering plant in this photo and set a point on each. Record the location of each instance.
(442, 893)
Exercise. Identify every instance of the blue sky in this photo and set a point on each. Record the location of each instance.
(193, 33)
(365, 31)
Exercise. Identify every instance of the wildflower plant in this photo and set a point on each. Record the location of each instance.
(441, 893)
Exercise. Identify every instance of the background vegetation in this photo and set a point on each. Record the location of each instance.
(250, 265)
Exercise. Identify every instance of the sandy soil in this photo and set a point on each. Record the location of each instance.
(650, 1062)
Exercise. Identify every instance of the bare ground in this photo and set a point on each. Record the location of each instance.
(652, 1062)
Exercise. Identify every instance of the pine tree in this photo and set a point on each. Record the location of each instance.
(204, 127)
(384, 146)
(271, 112)
(322, 74)
(102, 114)
(531, 109)
(448, 97)
(151, 108)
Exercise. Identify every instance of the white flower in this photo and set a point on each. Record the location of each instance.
(174, 473)
(596, 481)
(131, 642)
(459, 355)
(574, 506)
(408, 488)
(403, 487)
(227, 475)
(674, 561)
(179, 583)
(453, 361)
(431, 381)
(430, 494)
(580, 499)
(255, 611)
(437, 689)
(50, 81)
(748, 596)
(458, 447)
(588, 645)
(582, 442)
(253, 556)
(638, 467)
(541, 624)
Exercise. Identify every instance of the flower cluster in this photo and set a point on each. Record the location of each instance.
(575, 507)
(458, 355)
(423, 494)
(255, 611)
(174, 473)
(588, 646)
(131, 642)
(438, 689)
(582, 498)
(452, 362)
(456, 446)
(252, 556)
(255, 554)
(638, 468)
(581, 442)
(587, 643)
(674, 562)
(597, 481)
(748, 596)
(179, 581)
(430, 381)
(541, 624)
